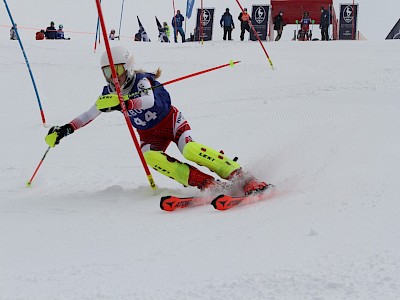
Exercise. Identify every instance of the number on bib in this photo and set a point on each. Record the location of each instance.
(139, 122)
(148, 116)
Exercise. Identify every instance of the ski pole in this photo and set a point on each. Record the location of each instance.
(258, 38)
(27, 64)
(29, 183)
(121, 100)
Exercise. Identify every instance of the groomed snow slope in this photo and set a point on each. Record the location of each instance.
(323, 127)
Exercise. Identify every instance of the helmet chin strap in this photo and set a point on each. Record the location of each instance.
(125, 87)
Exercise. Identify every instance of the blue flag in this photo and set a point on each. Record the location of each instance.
(189, 8)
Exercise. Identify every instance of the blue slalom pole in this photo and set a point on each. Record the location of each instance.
(27, 63)
(120, 20)
(97, 32)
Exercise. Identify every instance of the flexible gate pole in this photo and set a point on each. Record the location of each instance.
(97, 33)
(258, 38)
(120, 20)
(27, 64)
(121, 100)
(230, 64)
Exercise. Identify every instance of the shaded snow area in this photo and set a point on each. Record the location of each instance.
(323, 127)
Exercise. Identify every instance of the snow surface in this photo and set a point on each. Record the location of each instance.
(323, 126)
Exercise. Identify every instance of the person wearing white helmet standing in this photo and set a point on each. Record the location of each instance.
(158, 123)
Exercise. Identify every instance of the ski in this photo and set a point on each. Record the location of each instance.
(171, 203)
(224, 202)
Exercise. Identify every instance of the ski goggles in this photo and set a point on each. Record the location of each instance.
(119, 69)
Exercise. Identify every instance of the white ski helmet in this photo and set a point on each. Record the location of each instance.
(121, 56)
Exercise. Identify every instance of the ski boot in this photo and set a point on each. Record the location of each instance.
(246, 182)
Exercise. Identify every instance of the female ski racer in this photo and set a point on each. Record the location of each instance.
(158, 123)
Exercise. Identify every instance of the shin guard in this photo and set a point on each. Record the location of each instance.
(210, 158)
(168, 166)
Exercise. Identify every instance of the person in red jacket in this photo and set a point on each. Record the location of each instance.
(40, 35)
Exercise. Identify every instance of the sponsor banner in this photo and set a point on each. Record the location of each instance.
(348, 21)
(394, 34)
(259, 19)
(204, 29)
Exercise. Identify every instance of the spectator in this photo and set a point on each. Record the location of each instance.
(324, 25)
(177, 22)
(227, 23)
(40, 35)
(278, 25)
(112, 35)
(138, 37)
(60, 33)
(51, 31)
(141, 35)
(305, 34)
(245, 21)
(13, 33)
(167, 30)
(306, 20)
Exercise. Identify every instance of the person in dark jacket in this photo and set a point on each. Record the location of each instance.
(177, 22)
(112, 36)
(227, 23)
(245, 20)
(278, 25)
(324, 25)
(51, 32)
(13, 33)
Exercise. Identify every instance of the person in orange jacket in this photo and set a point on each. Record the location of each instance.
(245, 20)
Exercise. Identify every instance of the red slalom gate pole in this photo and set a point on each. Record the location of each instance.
(121, 100)
(258, 38)
(29, 183)
(230, 64)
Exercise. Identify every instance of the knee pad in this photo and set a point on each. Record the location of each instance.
(168, 166)
(210, 158)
